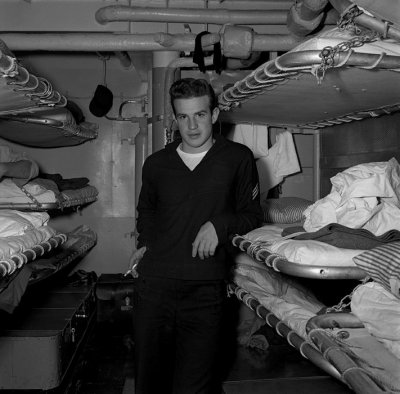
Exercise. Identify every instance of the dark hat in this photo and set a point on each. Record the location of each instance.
(102, 101)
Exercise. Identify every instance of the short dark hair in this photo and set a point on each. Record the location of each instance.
(192, 87)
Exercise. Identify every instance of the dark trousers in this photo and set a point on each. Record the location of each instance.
(177, 332)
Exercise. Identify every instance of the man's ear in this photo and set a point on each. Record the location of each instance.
(215, 114)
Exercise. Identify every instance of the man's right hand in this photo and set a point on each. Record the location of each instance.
(134, 260)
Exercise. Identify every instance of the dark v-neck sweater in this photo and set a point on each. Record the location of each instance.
(175, 202)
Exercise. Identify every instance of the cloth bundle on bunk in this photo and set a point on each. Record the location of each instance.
(46, 192)
(33, 191)
(364, 196)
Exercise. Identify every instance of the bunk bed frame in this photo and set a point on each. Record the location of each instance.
(279, 263)
(336, 77)
(345, 80)
(33, 113)
(320, 347)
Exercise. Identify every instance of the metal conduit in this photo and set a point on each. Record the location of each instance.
(95, 42)
(197, 15)
(98, 42)
(306, 16)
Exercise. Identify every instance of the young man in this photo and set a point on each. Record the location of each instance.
(195, 193)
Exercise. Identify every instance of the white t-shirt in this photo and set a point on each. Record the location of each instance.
(190, 159)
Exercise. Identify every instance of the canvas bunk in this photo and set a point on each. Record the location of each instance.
(347, 74)
(331, 347)
(32, 112)
(346, 77)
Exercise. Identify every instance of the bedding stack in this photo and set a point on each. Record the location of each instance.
(47, 191)
(21, 231)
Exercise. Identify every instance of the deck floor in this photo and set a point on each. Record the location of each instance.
(104, 364)
(106, 367)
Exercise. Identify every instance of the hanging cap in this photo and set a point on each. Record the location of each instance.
(101, 102)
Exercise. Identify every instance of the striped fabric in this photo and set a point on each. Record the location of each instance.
(284, 210)
(383, 265)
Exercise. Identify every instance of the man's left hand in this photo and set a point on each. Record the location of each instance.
(205, 242)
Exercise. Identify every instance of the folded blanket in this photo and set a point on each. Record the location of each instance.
(345, 237)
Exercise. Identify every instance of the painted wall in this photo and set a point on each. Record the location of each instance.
(301, 184)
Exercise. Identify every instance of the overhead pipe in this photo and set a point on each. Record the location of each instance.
(306, 16)
(267, 4)
(140, 141)
(234, 64)
(98, 42)
(103, 42)
(159, 99)
(120, 13)
(141, 150)
(387, 30)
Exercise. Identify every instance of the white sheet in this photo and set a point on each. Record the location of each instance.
(275, 283)
(295, 316)
(14, 222)
(379, 310)
(363, 196)
(10, 193)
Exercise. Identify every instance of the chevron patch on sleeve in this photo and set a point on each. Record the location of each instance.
(255, 191)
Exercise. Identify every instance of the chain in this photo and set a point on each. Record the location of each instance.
(346, 20)
(34, 200)
(329, 53)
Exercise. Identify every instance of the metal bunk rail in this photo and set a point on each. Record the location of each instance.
(291, 65)
(359, 379)
(11, 266)
(279, 263)
(306, 349)
(50, 206)
(23, 92)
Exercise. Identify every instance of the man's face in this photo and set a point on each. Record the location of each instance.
(195, 121)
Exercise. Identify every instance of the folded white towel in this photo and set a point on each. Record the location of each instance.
(253, 136)
(281, 161)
